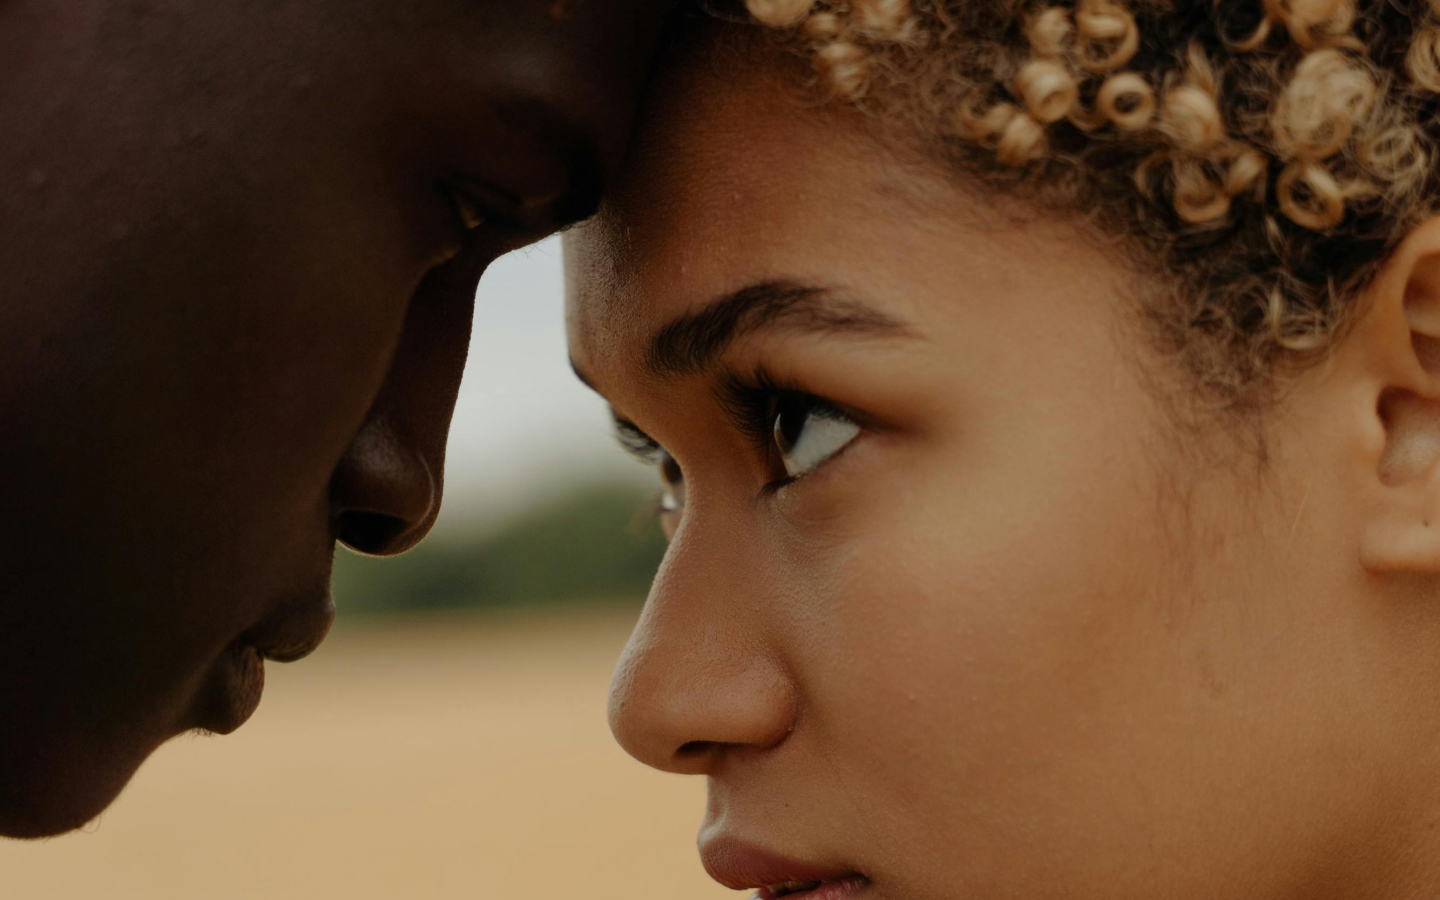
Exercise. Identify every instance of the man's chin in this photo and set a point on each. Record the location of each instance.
(70, 765)
(46, 798)
(49, 817)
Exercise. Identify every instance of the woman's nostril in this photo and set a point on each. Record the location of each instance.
(373, 533)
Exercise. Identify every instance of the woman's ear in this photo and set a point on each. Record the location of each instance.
(1396, 346)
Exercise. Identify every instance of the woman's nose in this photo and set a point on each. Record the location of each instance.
(697, 681)
(385, 492)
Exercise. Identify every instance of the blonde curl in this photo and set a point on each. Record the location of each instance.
(779, 13)
(1016, 137)
(1050, 33)
(824, 26)
(1395, 156)
(1246, 171)
(1311, 24)
(983, 124)
(847, 68)
(1127, 101)
(1048, 90)
(1300, 331)
(1190, 117)
(1022, 141)
(888, 20)
(1422, 62)
(1109, 37)
(1198, 199)
(1310, 196)
(1318, 110)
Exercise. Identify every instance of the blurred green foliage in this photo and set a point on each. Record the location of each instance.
(593, 543)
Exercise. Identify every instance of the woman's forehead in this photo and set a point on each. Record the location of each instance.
(741, 183)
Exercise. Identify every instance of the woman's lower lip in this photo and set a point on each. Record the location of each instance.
(846, 889)
(233, 692)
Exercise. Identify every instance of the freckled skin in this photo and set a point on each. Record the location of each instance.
(1030, 635)
(235, 312)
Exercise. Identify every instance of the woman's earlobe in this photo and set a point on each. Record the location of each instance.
(1402, 539)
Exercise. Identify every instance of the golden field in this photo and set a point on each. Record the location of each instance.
(449, 757)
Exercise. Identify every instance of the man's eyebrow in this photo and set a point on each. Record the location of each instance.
(695, 340)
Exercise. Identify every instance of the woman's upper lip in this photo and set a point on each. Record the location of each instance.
(294, 630)
(743, 866)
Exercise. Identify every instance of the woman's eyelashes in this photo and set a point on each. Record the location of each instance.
(794, 432)
(636, 442)
(645, 448)
(795, 429)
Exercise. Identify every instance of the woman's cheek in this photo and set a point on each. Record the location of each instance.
(842, 499)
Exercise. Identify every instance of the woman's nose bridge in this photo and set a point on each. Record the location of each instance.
(699, 671)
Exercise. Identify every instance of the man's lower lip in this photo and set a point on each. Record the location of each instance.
(233, 693)
(847, 889)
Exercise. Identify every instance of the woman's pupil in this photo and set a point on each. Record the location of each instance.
(790, 416)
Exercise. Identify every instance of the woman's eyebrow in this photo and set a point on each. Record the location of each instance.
(693, 341)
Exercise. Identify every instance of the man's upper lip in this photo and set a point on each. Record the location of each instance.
(742, 866)
(293, 631)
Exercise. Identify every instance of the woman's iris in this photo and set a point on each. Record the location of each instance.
(808, 432)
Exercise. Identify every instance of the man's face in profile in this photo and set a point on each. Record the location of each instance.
(240, 245)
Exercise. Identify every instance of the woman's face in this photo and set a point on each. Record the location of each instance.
(952, 602)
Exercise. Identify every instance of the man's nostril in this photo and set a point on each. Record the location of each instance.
(383, 491)
(374, 533)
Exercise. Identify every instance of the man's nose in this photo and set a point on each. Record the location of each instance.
(385, 492)
(699, 678)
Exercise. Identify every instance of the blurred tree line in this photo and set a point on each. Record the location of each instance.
(594, 543)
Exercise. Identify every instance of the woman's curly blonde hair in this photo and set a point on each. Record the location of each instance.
(1268, 153)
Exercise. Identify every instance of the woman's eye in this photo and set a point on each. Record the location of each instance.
(808, 432)
(672, 497)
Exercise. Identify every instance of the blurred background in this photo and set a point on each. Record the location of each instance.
(449, 739)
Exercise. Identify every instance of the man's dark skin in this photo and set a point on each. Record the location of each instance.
(237, 291)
